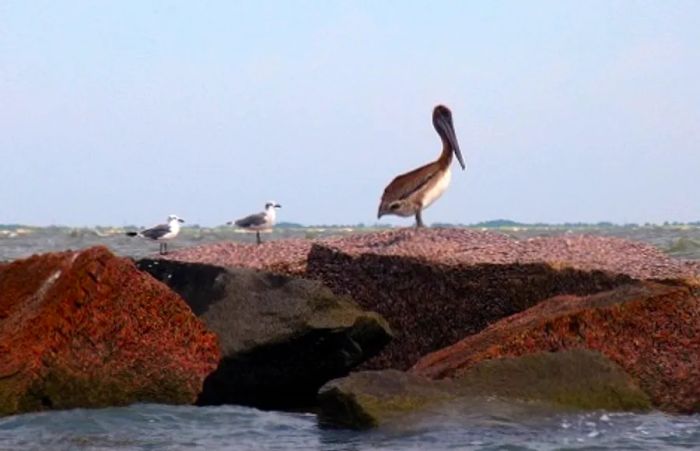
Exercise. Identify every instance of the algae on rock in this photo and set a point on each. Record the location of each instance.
(576, 379)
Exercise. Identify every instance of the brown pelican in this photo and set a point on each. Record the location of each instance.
(259, 221)
(410, 193)
(161, 232)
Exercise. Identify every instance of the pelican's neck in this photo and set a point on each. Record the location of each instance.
(447, 153)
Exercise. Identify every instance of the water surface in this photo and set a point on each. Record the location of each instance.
(159, 427)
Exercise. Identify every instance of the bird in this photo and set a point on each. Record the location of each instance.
(411, 193)
(162, 232)
(259, 221)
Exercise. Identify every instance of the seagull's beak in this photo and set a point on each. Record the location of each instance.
(278, 206)
(180, 220)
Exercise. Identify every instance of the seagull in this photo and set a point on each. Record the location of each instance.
(410, 193)
(259, 221)
(161, 232)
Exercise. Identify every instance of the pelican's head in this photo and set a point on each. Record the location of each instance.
(272, 204)
(175, 218)
(442, 121)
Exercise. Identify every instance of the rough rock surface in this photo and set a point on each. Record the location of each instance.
(651, 330)
(281, 337)
(455, 246)
(88, 329)
(282, 256)
(432, 305)
(576, 379)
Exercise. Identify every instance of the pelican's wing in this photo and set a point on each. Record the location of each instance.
(406, 184)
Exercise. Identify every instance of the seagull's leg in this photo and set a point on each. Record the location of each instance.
(165, 247)
(257, 236)
(419, 220)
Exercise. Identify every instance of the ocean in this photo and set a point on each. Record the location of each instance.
(159, 427)
(502, 426)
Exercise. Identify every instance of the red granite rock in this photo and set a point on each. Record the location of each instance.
(651, 330)
(88, 329)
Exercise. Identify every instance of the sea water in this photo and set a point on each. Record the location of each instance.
(159, 427)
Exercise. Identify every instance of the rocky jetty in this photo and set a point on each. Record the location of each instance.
(88, 329)
(436, 286)
(282, 338)
(461, 300)
(569, 321)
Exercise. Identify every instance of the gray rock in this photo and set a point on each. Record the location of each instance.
(281, 338)
(577, 379)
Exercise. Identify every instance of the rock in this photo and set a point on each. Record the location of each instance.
(281, 337)
(368, 399)
(431, 305)
(576, 379)
(652, 330)
(88, 329)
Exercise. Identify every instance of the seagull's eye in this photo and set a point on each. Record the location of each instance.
(394, 205)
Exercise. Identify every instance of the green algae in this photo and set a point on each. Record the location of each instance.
(579, 379)
(572, 380)
(62, 389)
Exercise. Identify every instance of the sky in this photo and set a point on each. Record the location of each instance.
(122, 112)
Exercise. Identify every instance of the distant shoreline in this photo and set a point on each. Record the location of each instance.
(495, 224)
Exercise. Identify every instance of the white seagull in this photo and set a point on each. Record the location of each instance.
(161, 233)
(259, 221)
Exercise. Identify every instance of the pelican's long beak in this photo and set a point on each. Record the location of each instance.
(458, 154)
(381, 211)
(451, 137)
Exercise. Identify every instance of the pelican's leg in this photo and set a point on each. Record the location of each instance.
(257, 236)
(419, 220)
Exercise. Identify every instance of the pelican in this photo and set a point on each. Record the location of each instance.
(162, 232)
(410, 193)
(259, 221)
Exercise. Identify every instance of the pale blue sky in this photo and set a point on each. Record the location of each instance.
(123, 112)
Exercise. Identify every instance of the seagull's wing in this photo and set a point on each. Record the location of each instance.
(156, 232)
(258, 219)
